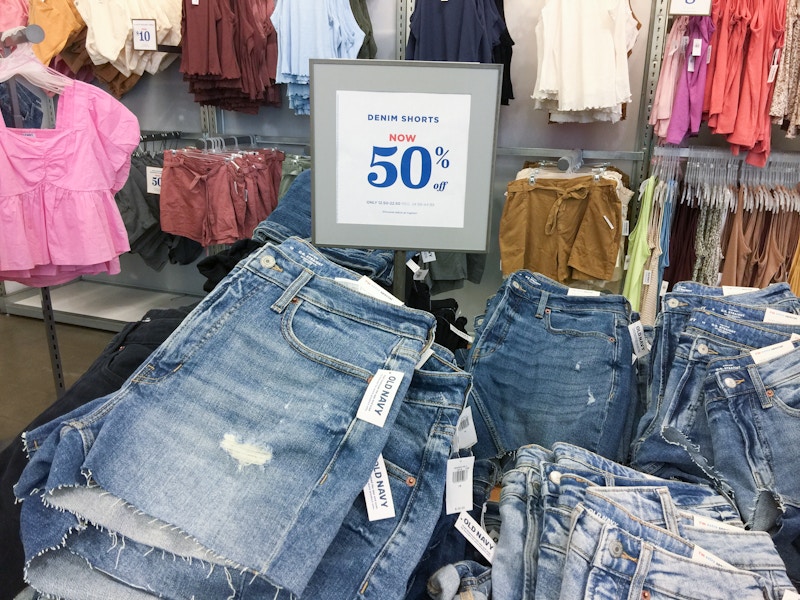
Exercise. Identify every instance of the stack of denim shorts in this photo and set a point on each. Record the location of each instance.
(231, 464)
(718, 416)
(577, 525)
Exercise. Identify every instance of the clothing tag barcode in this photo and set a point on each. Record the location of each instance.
(640, 345)
(664, 288)
(476, 535)
(420, 275)
(708, 55)
(378, 493)
(627, 264)
(778, 317)
(626, 227)
(378, 399)
(690, 63)
(153, 175)
(697, 47)
(458, 489)
(466, 436)
(648, 275)
(428, 256)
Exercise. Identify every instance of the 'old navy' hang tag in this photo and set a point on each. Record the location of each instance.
(378, 493)
(378, 399)
(476, 535)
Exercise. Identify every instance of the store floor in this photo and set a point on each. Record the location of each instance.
(26, 377)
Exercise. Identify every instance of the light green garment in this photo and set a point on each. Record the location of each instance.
(638, 248)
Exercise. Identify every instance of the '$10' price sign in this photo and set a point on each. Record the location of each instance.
(402, 158)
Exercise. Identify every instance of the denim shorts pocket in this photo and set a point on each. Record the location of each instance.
(786, 396)
(580, 324)
(328, 339)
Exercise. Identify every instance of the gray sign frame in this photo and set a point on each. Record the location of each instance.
(481, 81)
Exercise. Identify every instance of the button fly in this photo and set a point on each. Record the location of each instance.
(268, 261)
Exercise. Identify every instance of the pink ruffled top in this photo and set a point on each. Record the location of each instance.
(58, 217)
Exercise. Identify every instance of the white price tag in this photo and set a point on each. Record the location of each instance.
(420, 275)
(153, 175)
(411, 264)
(476, 535)
(466, 436)
(733, 290)
(370, 288)
(690, 7)
(378, 399)
(378, 493)
(428, 256)
(697, 47)
(690, 63)
(648, 275)
(423, 358)
(778, 317)
(458, 488)
(582, 292)
(664, 288)
(627, 264)
(709, 523)
(762, 355)
(626, 228)
(699, 555)
(461, 334)
(708, 55)
(144, 34)
(790, 595)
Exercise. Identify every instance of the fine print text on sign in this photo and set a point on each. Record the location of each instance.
(401, 158)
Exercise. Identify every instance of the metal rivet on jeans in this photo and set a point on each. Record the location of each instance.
(702, 348)
(730, 382)
(555, 477)
(673, 303)
(268, 261)
(770, 393)
(645, 595)
(411, 481)
(616, 549)
(516, 285)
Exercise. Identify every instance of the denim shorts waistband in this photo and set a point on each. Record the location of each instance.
(535, 287)
(617, 550)
(727, 379)
(734, 332)
(304, 273)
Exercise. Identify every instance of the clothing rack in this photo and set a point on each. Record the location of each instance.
(35, 34)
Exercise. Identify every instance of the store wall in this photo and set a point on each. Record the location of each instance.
(163, 103)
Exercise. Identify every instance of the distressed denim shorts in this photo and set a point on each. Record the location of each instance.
(267, 367)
